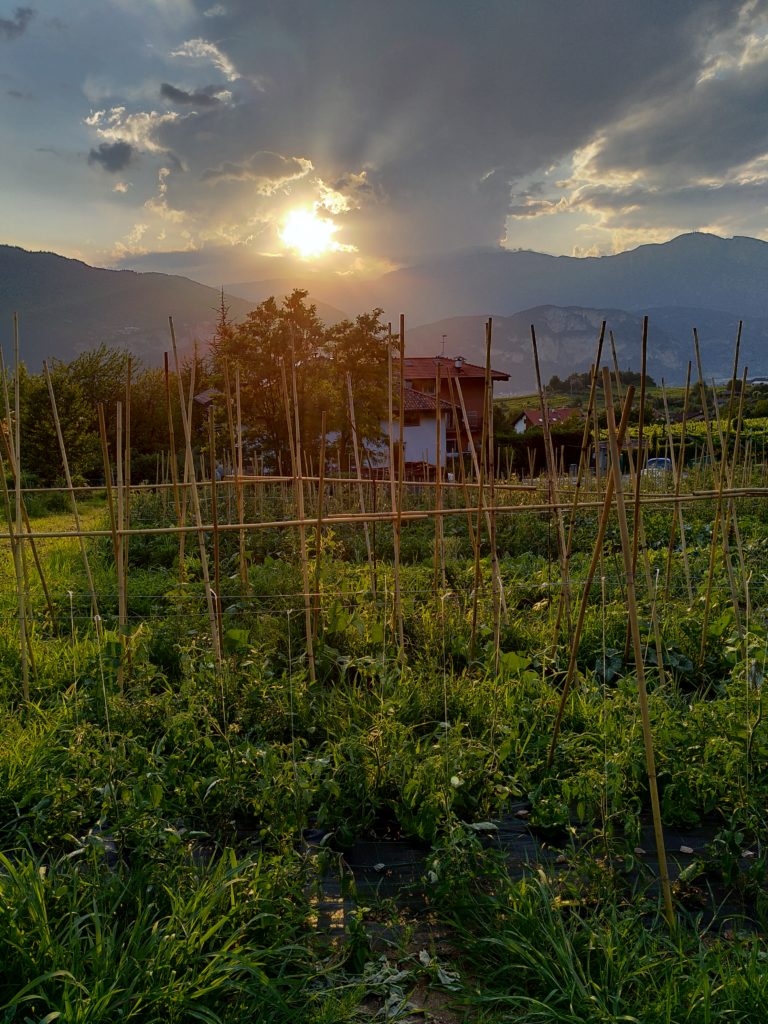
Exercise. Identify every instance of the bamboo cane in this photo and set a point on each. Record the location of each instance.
(719, 509)
(189, 474)
(319, 527)
(174, 466)
(235, 447)
(71, 490)
(554, 494)
(17, 548)
(361, 490)
(294, 437)
(597, 552)
(8, 452)
(460, 451)
(650, 760)
(398, 523)
(677, 516)
(439, 552)
(127, 477)
(215, 521)
(122, 603)
(25, 638)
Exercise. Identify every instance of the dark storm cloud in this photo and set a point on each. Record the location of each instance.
(718, 125)
(207, 97)
(447, 106)
(266, 168)
(112, 156)
(688, 206)
(12, 28)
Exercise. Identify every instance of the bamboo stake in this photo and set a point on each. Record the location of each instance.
(650, 760)
(581, 472)
(215, 521)
(189, 475)
(460, 452)
(17, 549)
(294, 443)
(319, 527)
(640, 426)
(554, 494)
(25, 638)
(71, 490)
(496, 581)
(677, 516)
(127, 477)
(108, 481)
(475, 538)
(718, 517)
(360, 488)
(398, 523)
(174, 466)
(439, 553)
(597, 553)
(8, 452)
(122, 611)
(236, 455)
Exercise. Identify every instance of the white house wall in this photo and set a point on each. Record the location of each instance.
(419, 441)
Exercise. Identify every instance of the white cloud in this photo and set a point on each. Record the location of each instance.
(139, 129)
(201, 49)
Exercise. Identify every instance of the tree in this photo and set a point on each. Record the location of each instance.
(97, 376)
(291, 337)
(359, 348)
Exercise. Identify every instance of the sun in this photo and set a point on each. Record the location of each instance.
(309, 235)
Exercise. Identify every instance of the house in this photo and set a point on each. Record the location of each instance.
(419, 432)
(459, 381)
(533, 418)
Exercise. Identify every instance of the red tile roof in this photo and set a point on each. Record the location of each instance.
(425, 368)
(418, 401)
(535, 419)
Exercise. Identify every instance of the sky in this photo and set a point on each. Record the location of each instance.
(238, 140)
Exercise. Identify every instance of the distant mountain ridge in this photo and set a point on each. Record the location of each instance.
(66, 307)
(697, 271)
(566, 339)
(697, 280)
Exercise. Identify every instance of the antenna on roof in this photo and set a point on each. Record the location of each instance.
(443, 351)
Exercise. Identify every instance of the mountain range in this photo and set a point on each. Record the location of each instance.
(696, 280)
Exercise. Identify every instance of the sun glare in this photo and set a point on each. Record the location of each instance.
(308, 234)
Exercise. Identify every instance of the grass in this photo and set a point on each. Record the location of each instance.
(153, 863)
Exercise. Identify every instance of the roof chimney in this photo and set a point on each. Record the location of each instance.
(458, 362)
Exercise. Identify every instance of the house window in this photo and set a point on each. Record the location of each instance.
(412, 419)
(428, 387)
(473, 418)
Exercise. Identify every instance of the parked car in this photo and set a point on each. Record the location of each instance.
(657, 467)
